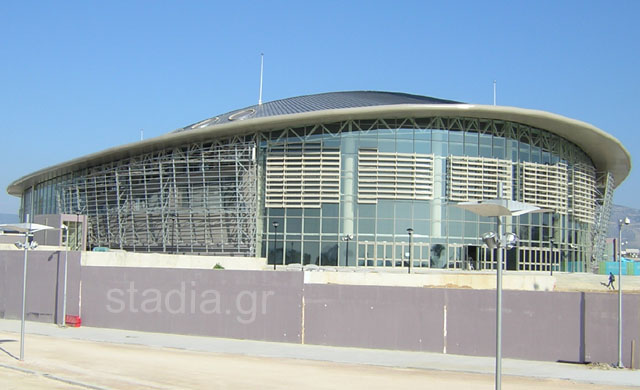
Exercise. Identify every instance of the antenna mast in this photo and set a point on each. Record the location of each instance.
(494, 92)
(261, 70)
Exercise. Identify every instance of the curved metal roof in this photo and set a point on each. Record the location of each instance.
(606, 152)
(319, 102)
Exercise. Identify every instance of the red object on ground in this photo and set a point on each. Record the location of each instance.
(73, 321)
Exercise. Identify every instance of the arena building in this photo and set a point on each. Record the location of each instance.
(338, 178)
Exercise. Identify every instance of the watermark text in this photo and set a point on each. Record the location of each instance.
(245, 305)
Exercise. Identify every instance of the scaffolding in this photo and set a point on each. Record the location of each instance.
(198, 198)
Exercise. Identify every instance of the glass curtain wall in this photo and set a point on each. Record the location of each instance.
(443, 236)
(371, 180)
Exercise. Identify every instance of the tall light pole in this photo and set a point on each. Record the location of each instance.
(77, 231)
(498, 208)
(66, 267)
(410, 233)
(551, 260)
(621, 222)
(26, 246)
(28, 229)
(346, 238)
(499, 242)
(275, 243)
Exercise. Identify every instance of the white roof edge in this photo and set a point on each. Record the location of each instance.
(607, 153)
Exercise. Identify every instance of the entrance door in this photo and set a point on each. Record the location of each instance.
(473, 257)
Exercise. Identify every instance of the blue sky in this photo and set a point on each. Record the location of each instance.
(77, 77)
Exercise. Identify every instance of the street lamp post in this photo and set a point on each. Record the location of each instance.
(346, 238)
(275, 243)
(621, 222)
(77, 231)
(499, 242)
(498, 208)
(25, 246)
(551, 260)
(28, 229)
(410, 232)
(493, 241)
(66, 267)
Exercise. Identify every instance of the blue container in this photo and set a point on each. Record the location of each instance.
(574, 266)
(633, 268)
(612, 266)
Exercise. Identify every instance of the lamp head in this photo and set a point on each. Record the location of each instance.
(510, 240)
(410, 231)
(30, 245)
(275, 224)
(490, 239)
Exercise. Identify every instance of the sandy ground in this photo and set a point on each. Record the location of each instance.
(50, 361)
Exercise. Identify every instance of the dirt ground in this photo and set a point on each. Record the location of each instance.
(55, 363)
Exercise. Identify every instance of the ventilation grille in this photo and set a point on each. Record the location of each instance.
(476, 178)
(394, 176)
(584, 193)
(545, 185)
(303, 179)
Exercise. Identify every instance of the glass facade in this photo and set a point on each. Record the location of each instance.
(444, 236)
(372, 179)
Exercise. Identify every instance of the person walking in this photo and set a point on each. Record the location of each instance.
(612, 279)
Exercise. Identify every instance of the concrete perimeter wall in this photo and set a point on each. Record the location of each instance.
(536, 325)
(45, 284)
(280, 306)
(235, 304)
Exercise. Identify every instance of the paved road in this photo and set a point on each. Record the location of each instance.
(77, 358)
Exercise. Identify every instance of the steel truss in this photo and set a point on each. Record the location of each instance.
(544, 141)
(604, 203)
(198, 198)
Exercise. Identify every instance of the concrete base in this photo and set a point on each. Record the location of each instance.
(116, 258)
(477, 280)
